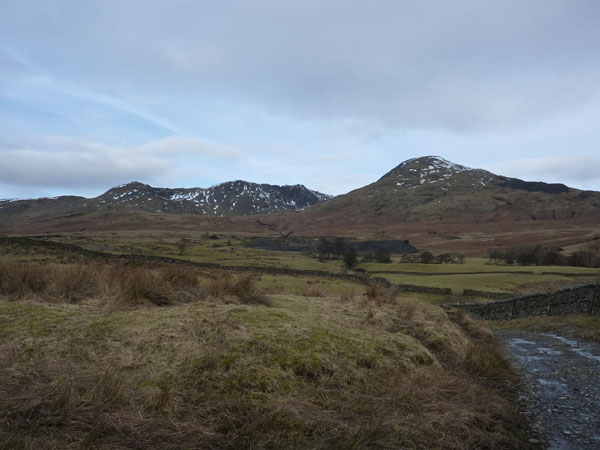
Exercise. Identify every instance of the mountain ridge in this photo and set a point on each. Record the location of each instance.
(425, 190)
(229, 198)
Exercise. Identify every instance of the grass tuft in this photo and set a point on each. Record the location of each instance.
(347, 295)
(238, 289)
(312, 290)
(380, 294)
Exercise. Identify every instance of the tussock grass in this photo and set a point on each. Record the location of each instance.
(312, 290)
(236, 288)
(114, 285)
(348, 295)
(380, 294)
(484, 356)
(487, 358)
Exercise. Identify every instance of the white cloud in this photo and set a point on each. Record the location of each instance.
(70, 163)
(181, 146)
(465, 65)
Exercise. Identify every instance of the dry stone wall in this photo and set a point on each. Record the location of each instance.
(581, 299)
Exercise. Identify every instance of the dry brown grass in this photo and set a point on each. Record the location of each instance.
(348, 295)
(487, 358)
(236, 288)
(305, 372)
(59, 283)
(120, 285)
(312, 290)
(484, 356)
(380, 294)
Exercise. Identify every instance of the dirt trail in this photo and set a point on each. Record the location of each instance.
(561, 387)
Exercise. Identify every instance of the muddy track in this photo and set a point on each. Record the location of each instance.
(561, 387)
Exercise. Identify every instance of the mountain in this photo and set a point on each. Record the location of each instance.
(226, 199)
(433, 203)
(431, 188)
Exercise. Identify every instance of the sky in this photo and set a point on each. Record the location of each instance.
(330, 94)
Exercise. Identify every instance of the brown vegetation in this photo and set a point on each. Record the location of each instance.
(348, 295)
(380, 294)
(312, 290)
(229, 376)
(241, 288)
(114, 285)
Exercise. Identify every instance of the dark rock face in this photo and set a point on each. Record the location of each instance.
(533, 186)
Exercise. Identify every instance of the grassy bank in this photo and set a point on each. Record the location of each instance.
(219, 371)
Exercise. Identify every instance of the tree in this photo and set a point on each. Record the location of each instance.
(427, 258)
(350, 258)
(382, 255)
(339, 246)
(495, 256)
(324, 247)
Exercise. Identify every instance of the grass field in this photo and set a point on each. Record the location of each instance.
(487, 282)
(473, 265)
(228, 250)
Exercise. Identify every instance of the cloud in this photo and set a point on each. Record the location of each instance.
(464, 66)
(70, 163)
(181, 146)
(580, 171)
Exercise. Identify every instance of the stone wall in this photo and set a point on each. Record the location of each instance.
(422, 289)
(486, 294)
(581, 299)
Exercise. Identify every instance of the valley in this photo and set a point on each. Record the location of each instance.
(128, 328)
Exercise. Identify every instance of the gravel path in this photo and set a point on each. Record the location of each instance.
(561, 389)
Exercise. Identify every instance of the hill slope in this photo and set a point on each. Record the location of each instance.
(432, 189)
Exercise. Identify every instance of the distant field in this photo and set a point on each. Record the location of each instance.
(228, 250)
(487, 282)
(473, 265)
